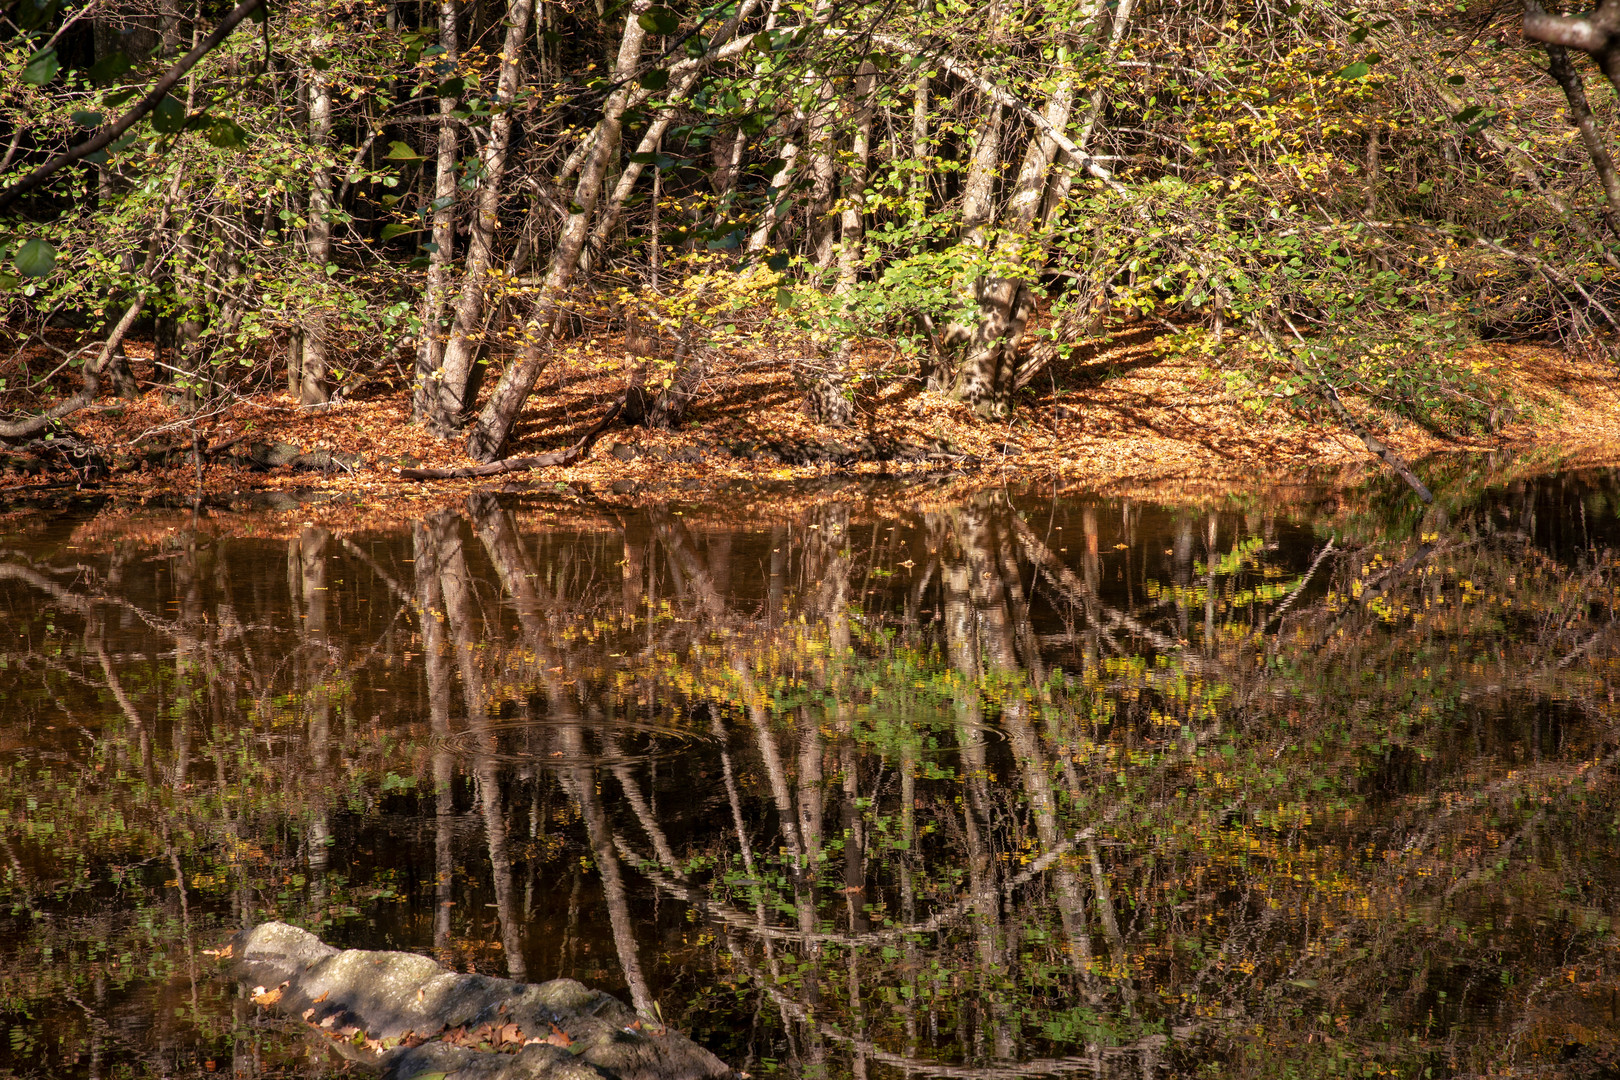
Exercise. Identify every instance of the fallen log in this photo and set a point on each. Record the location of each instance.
(405, 1016)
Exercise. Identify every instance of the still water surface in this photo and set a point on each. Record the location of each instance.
(1292, 781)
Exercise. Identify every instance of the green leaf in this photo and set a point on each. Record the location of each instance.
(450, 88)
(398, 151)
(169, 116)
(784, 298)
(1468, 114)
(225, 134)
(1357, 70)
(42, 67)
(654, 79)
(659, 20)
(1457, 80)
(87, 119)
(109, 67)
(395, 229)
(35, 258)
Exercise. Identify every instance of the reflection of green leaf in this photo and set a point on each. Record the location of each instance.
(35, 258)
(42, 67)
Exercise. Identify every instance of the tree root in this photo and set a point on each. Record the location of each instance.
(566, 456)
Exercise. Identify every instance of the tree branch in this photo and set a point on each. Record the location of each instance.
(107, 135)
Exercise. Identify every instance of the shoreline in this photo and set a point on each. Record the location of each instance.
(1127, 421)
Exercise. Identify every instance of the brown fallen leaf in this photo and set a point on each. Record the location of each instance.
(261, 996)
(325, 994)
(507, 1033)
(329, 1021)
(559, 1037)
(309, 1014)
(222, 953)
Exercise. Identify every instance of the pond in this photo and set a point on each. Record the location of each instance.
(1292, 781)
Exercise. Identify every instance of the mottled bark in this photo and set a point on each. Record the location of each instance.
(456, 381)
(506, 401)
(426, 405)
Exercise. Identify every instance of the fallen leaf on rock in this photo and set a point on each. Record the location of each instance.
(324, 995)
(559, 1037)
(261, 996)
(222, 953)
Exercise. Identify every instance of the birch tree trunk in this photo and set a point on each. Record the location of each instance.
(494, 425)
(778, 194)
(978, 204)
(827, 397)
(430, 350)
(312, 385)
(456, 381)
(985, 379)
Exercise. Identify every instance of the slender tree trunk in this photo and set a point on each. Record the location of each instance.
(920, 155)
(778, 194)
(426, 406)
(986, 378)
(978, 204)
(827, 397)
(494, 425)
(312, 386)
(822, 225)
(456, 381)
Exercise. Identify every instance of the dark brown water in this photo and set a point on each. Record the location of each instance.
(1289, 782)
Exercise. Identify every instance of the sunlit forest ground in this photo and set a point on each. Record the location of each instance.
(1128, 409)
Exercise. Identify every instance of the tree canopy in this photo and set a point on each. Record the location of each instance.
(1331, 195)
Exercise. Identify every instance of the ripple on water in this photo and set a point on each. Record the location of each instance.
(572, 743)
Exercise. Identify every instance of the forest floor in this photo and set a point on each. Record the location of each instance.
(1127, 417)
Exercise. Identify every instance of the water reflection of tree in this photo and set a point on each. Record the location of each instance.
(972, 802)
